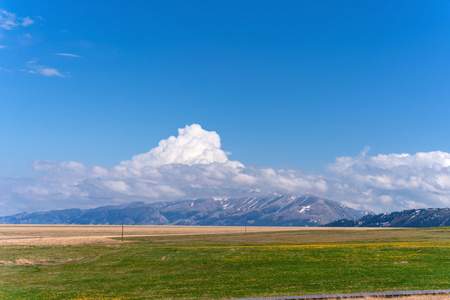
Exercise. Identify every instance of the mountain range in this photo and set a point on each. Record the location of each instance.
(271, 210)
(430, 217)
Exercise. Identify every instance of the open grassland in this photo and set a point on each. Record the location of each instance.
(228, 265)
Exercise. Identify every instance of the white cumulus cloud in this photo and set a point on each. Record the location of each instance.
(192, 146)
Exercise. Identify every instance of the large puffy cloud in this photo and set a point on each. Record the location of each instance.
(193, 165)
(192, 146)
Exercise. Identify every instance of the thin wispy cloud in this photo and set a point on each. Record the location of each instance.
(26, 22)
(46, 71)
(9, 21)
(193, 165)
(34, 68)
(5, 70)
(67, 54)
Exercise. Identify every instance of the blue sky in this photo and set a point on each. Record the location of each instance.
(290, 86)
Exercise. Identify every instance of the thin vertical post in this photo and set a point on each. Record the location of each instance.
(122, 232)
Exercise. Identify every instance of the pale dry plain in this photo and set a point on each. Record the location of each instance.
(62, 235)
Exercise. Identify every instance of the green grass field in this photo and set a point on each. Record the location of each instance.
(232, 265)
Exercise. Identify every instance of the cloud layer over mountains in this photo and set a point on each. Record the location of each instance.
(193, 165)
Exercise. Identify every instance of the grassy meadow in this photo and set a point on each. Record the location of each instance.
(231, 265)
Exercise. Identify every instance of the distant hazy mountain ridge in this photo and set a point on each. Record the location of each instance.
(273, 210)
(431, 217)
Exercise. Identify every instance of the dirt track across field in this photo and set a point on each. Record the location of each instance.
(422, 297)
(432, 295)
(417, 297)
(61, 235)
